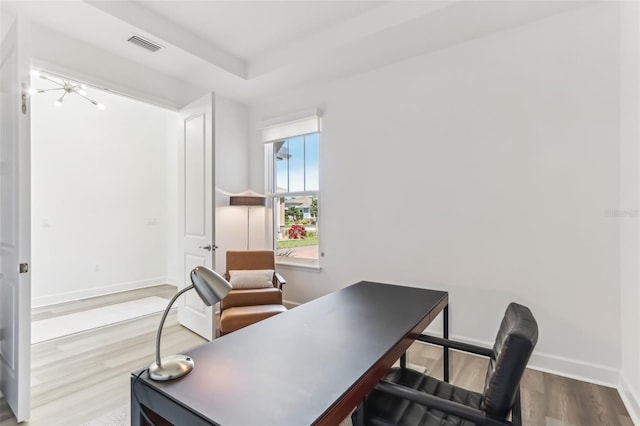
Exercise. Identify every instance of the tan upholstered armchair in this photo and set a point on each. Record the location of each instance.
(249, 303)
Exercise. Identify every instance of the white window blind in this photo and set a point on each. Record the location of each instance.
(296, 124)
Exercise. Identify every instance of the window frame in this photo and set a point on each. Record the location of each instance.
(273, 195)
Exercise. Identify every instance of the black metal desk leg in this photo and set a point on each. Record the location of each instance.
(445, 349)
(357, 417)
(136, 410)
(403, 361)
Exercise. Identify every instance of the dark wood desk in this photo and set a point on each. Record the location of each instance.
(310, 365)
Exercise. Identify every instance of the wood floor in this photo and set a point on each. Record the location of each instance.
(82, 379)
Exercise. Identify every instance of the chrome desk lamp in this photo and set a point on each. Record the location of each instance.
(211, 287)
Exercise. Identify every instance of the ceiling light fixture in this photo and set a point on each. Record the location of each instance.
(67, 86)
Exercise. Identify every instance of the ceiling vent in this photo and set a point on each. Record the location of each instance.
(145, 44)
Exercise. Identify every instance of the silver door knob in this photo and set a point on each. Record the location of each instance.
(209, 247)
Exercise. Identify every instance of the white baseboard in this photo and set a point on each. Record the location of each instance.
(575, 369)
(173, 281)
(85, 293)
(631, 399)
(566, 367)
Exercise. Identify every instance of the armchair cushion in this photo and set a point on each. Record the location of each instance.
(256, 278)
(256, 296)
(239, 317)
(397, 411)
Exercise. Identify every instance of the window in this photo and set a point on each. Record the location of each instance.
(293, 185)
(294, 190)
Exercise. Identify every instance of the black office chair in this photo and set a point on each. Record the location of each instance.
(407, 397)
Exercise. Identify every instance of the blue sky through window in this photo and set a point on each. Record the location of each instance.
(297, 164)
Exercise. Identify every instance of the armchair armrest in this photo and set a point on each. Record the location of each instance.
(457, 409)
(452, 344)
(279, 280)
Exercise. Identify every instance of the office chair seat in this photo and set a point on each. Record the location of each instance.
(390, 410)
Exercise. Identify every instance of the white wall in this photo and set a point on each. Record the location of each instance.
(231, 177)
(100, 197)
(629, 215)
(174, 259)
(484, 169)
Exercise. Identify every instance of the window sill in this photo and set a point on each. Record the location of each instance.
(303, 266)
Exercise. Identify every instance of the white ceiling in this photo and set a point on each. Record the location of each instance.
(248, 50)
(245, 29)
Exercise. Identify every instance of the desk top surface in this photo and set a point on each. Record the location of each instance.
(291, 368)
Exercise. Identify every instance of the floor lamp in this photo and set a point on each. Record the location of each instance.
(248, 201)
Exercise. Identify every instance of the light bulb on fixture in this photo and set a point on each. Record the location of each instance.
(99, 105)
(32, 91)
(58, 103)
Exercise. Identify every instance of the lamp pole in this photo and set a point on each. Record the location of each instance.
(248, 201)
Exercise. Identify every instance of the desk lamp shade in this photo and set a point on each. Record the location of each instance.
(211, 287)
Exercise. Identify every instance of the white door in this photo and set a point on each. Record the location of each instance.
(195, 198)
(15, 214)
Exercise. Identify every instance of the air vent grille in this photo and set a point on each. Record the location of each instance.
(145, 44)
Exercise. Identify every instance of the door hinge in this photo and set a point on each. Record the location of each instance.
(24, 99)
(24, 268)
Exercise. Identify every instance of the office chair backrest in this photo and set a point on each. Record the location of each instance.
(514, 343)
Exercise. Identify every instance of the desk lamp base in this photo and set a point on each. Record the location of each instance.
(173, 367)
